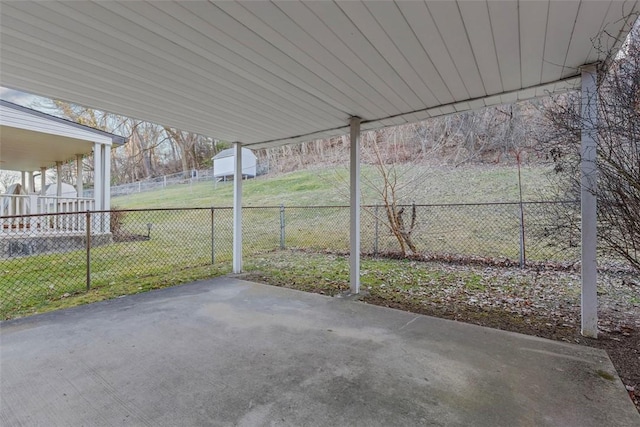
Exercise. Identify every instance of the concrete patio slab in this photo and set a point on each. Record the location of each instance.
(230, 352)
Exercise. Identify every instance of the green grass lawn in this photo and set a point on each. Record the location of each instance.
(467, 230)
(329, 186)
(181, 244)
(298, 188)
(38, 290)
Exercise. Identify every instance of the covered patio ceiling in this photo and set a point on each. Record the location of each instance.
(26, 150)
(31, 140)
(263, 74)
(269, 73)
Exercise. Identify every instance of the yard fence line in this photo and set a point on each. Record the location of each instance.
(127, 245)
(159, 182)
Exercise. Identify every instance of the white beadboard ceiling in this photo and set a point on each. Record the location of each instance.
(270, 73)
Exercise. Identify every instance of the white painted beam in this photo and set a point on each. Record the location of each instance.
(237, 208)
(588, 170)
(354, 198)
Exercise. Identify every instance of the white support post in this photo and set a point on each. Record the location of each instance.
(30, 183)
(354, 198)
(79, 188)
(43, 180)
(23, 180)
(96, 220)
(59, 179)
(97, 176)
(106, 177)
(237, 208)
(588, 182)
(106, 188)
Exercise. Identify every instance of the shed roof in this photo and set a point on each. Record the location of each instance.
(271, 73)
(230, 152)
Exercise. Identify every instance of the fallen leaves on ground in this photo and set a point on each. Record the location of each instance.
(542, 300)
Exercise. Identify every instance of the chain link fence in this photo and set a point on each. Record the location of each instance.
(159, 182)
(518, 232)
(78, 251)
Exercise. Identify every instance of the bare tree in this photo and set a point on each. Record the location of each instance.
(150, 147)
(195, 150)
(386, 150)
(617, 134)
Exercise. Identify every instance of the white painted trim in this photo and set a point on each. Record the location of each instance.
(39, 122)
(354, 198)
(588, 169)
(237, 209)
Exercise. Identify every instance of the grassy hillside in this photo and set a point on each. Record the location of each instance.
(329, 186)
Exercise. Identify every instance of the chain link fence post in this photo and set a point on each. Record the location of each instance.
(213, 246)
(375, 236)
(282, 227)
(88, 244)
(523, 258)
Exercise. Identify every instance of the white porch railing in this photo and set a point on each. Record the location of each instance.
(23, 211)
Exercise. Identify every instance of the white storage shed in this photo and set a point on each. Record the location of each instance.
(224, 160)
(67, 190)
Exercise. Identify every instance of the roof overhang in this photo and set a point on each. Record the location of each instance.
(30, 140)
(272, 73)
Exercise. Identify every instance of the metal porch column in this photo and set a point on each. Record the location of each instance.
(354, 198)
(237, 208)
(588, 182)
